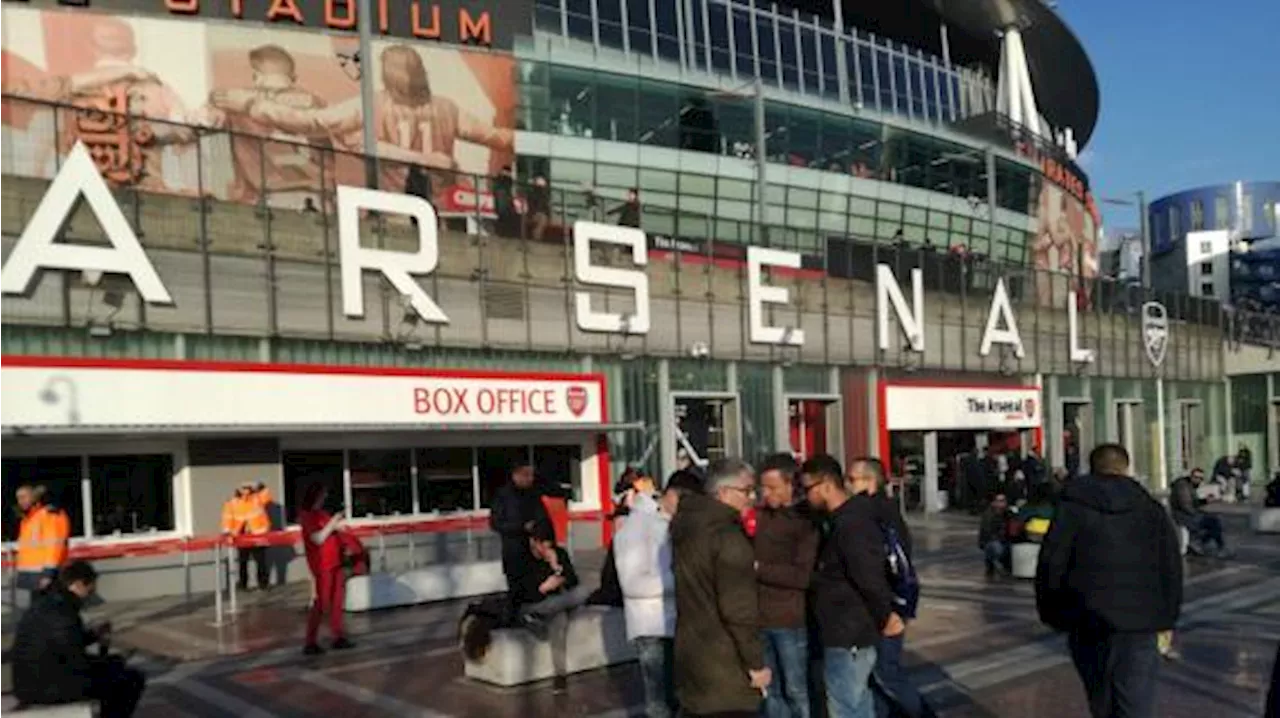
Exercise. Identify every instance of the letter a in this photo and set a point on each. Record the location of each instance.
(993, 334)
(36, 248)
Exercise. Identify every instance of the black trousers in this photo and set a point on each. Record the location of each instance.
(259, 556)
(1119, 672)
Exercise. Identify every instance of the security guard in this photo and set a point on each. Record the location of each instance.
(245, 515)
(42, 540)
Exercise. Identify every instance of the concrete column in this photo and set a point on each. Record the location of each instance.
(875, 414)
(781, 414)
(1053, 423)
(1273, 430)
(835, 419)
(932, 505)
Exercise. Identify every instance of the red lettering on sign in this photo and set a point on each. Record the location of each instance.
(430, 32)
(346, 21)
(186, 7)
(421, 404)
(285, 8)
(475, 28)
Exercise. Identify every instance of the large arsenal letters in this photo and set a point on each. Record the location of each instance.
(37, 249)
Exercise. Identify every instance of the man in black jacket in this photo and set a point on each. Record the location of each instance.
(1110, 576)
(517, 509)
(51, 662)
(851, 595)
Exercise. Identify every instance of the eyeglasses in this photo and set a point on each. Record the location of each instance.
(746, 490)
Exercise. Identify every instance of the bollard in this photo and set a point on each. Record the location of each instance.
(217, 584)
(186, 568)
(382, 552)
(413, 557)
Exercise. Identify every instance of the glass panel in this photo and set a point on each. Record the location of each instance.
(495, 464)
(616, 107)
(668, 35)
(768, 50)
(885, 89)
(809, 55)
(131, 493)
(790, 59)
(444, 480)
(59, 475)
(580, 19)
(866, 76)
(830, 73)
(559, 467)
(610, 13)
(380, 483)
(744, 57)
(639, 27)
(697, 32)
(572, 100)
(659, 114)
(303, 468)
(719, 21)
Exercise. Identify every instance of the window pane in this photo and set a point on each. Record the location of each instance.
(496, 463)
(882, 70)
(131, 493)
(579, 19)
(303, 468)
(790, 55)
(559, 466)
(380, 483)
(719, 21)
(830, 74)
(616, 107)
(638, 27)
(742, 43)
(668, 38)
(610, 12)
(809, 58)
(60, 475)
(445, 481)
(768, 50)
(699, 59)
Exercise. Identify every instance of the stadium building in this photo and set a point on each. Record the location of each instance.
(597, 233)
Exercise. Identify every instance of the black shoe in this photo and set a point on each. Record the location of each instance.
(341, 644)
(560, 685)
(312, 649)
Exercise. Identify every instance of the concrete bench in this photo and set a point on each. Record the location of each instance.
(597, 638)
(1266, 520)
(1025, 558)
(87, 709)
(423, 585)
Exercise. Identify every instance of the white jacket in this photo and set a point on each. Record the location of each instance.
(642, 555)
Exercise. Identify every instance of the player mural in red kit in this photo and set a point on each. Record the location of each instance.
(321, 534)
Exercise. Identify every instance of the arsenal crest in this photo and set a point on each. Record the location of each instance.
(575, 398)
(1155, 331)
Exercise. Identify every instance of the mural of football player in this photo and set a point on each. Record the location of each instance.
(413, 125)
(287, 171)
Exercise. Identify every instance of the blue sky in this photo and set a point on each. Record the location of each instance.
(1190, 94)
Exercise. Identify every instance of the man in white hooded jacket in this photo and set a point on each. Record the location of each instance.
(642, 554)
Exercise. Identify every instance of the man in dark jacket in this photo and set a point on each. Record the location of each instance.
(898, 693)
(786, 544)
(545, 593)
(51, 662)
(851, 593)
(721, 668)
(993, 535)
(517, 509)
(1185, 503)
(1110, 576)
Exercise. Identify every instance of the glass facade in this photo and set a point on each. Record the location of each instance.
(802, 54)
(808, 149)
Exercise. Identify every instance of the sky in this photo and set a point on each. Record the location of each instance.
(1190, 94)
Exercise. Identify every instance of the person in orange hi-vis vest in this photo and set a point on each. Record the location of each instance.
(246, 515)
(42, 541)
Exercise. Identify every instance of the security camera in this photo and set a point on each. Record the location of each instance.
(699, 350)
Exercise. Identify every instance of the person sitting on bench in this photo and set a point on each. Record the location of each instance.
(51, 660)
(1204, 528)
(545, 591)
(993, 536)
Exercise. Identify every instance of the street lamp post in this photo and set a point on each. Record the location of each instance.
(364, 21)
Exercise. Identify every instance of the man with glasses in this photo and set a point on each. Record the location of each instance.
(721, 669)
(852, 598)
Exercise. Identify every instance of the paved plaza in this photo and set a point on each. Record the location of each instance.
(977, 650)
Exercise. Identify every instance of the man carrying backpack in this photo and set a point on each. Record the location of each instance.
(895, 690)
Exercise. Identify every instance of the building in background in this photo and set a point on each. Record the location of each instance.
(657, 234)
(1219, 242)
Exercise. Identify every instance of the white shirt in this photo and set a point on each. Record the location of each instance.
(642, 555)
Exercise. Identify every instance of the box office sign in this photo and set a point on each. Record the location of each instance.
(910, 407)
(39, 392)
(78, 177)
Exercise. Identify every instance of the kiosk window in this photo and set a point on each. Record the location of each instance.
(380, 482)
(445, 481)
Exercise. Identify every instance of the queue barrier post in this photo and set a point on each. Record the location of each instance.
(413, 554)
(382, 551)
(233, 571)
(217, 584)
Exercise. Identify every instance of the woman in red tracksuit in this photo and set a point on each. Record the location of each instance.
(320, 535)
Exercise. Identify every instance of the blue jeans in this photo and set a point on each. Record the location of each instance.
(656, 659)
(996, 553)
(1119, 672)
(786, 653)
(848, 673)
(894, 682)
